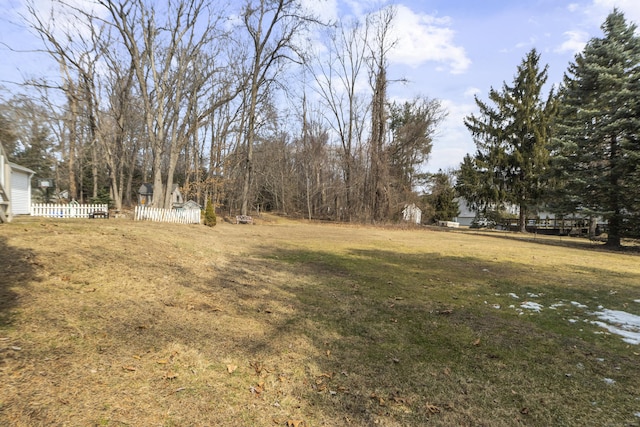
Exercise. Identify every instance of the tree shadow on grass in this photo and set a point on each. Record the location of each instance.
(385, 339)
(581, 243)
(396, 333)
(16, 270)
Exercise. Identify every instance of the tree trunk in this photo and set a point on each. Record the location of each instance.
(522, 219)
(616, 220)
(72, 123)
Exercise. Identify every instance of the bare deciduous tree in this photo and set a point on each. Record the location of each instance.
(337, 80)
(272, 26)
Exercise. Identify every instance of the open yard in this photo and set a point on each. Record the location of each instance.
(282, 323)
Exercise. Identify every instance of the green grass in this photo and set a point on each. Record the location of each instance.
(123, 323)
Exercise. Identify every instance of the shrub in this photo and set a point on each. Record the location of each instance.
(209, 215)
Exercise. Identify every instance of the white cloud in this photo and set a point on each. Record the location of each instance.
(62, 20)
(597, 10)
(422, 38)
(359, 8)
(574, 43)
(453, 140)
(325, 10)
(573, 7)
(630, 8)
(471, 92)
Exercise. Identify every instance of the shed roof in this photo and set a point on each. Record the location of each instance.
(21, 168)
(146, 189)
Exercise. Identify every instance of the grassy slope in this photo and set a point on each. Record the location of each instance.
(122, 323)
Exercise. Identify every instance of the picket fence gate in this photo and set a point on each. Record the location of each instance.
(181, 216)
(51, 210)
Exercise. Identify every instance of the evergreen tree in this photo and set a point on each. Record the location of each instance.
(470, 184)
(443, 197)
(210, 219)
(512, 137)
(596, 149)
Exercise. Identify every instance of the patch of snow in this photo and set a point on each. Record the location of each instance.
(636, 300)
(530, 295)
(532, 306)
(577, 304)
(621, 323)
(637, 414)
(496, 306)
(514, 296)
(572, 320)
(556, 305)
(609, 381)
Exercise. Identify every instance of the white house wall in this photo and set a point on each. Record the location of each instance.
(20, 192)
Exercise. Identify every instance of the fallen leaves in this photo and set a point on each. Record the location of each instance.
(170, 375)
(380, 400)
(257, 389)
(258, 367)
(432, 409)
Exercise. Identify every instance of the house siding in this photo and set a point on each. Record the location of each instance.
(20, 191)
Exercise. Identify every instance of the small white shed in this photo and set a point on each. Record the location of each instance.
(20, 189)
(412, 213)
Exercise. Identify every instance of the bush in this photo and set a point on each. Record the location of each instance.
(103, 198)
(210, 219)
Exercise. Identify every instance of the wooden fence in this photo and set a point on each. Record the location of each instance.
(182, 216)
(51, 210)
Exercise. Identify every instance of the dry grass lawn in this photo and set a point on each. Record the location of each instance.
(282, 323)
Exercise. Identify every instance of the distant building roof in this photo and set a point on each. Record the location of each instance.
(146, 189)
(191, 204)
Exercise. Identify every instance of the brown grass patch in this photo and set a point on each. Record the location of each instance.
(135, 323)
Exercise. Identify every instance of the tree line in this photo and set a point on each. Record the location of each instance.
(573, 150)
(258, 106)
(263, 106)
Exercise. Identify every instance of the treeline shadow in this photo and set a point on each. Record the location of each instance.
(581, 243)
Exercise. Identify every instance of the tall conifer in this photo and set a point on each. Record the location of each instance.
(596, 148)
(512, 137)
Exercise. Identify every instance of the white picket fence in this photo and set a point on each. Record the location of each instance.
(52, 210)
(183, 216)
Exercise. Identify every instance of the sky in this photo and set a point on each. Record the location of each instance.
(451, 50)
